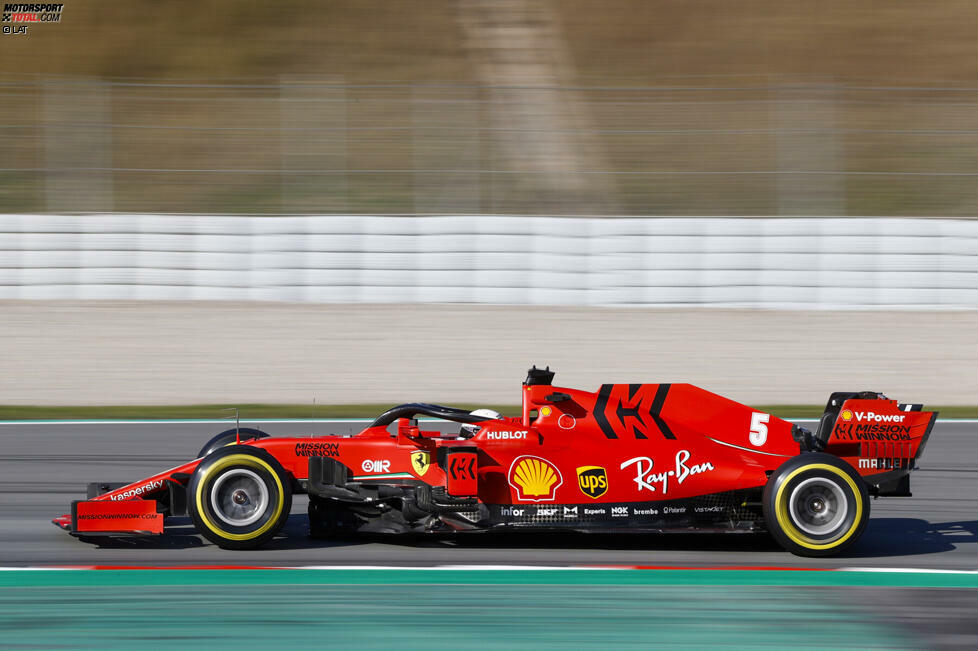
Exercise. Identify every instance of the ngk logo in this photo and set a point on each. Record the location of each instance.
(879, 418)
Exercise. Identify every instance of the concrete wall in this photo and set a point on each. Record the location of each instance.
(382, 309)
(780, 263)
(140, 352)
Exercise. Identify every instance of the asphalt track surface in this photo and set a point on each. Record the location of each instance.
(46, 465)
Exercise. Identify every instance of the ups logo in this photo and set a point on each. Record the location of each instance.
(632, 410)
(593, 481)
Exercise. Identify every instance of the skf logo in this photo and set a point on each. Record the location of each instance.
(593, 481)
(535, 479)
(846, 415)
(420, 461)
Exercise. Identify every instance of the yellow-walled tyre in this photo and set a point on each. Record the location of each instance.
(230, 437)
(816, 505)
(239, 497)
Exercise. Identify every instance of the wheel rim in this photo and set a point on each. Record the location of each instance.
(818, 506)
(239, 497)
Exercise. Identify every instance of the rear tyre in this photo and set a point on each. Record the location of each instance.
(230, 437)
(816, 505)
(239, 497)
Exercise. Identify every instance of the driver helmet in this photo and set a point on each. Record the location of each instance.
(471, 429)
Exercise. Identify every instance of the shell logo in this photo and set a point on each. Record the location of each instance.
(846, 415)
(535, 479)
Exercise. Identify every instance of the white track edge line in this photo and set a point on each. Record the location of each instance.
(878, 570)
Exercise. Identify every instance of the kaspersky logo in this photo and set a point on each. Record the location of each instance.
(593, 481)
(535, 479)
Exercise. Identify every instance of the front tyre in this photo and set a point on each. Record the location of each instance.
(816, 505)
(239, 497)
(230, 437)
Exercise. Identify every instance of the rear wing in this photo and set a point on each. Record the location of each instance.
(881, 438)
(882, 428)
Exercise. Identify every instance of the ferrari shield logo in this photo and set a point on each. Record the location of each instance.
(420, 461)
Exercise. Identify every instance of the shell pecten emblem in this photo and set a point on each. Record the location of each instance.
(846, 415)
(535, 479)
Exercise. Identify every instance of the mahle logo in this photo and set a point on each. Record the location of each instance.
(593, 481)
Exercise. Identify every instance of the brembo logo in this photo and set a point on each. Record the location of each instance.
(880, 418)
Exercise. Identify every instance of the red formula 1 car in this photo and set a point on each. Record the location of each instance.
(628, 457)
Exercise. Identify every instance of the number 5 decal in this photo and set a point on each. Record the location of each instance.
(758, 428)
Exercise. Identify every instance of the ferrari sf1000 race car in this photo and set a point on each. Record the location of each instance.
(625, 458)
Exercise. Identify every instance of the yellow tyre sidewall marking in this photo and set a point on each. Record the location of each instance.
(245, 460)
(789, 528)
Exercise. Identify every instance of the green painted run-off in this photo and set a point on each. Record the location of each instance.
(450, 609)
